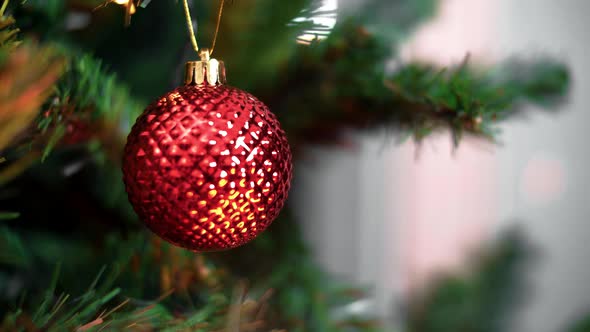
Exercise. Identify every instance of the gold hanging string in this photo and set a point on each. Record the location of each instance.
(5, 4)
(191, 31)
(189, 23)
(217, 26)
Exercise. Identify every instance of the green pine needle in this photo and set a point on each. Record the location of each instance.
(9, 215)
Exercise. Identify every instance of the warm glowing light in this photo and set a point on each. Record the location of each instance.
(125, 3)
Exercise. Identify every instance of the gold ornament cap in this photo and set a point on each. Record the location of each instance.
(205, 71)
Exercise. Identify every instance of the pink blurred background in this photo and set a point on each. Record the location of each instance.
(393, 215)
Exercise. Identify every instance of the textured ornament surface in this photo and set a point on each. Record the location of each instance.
(207, 167)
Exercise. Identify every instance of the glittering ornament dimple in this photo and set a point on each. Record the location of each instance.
(207, 167)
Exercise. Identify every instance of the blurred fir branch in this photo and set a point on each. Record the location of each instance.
(12, 250)
(89, 103)
(268, 30)
(8, 33)
(581, 326)
(86, 103)
(88, 84)
(27, 76)
(9, 215)
(394, 20)
(322, 90)
(342, 83)
(481, 301)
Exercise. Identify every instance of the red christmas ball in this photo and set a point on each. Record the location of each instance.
(207, 167)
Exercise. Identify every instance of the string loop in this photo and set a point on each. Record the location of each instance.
(191, 31)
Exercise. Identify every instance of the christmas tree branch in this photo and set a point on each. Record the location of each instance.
(89, 103)
(342, 83)
(482, 299)
(116, 299)
(582, 325)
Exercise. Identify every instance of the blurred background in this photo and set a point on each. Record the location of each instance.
(414, 211)
(439, 167)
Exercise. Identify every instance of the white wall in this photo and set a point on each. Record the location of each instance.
(544, 167)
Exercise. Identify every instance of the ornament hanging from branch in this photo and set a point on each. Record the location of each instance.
(207, 166)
